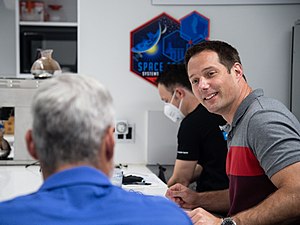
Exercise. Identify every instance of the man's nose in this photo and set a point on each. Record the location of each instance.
(203, 83)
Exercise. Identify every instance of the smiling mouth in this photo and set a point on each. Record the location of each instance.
(210, 96)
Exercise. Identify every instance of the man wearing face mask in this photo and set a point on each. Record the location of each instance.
(201, 151)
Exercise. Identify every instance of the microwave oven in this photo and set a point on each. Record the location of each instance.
(63, 41)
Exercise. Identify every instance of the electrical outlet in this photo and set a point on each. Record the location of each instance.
(126, 137)
(121, 127)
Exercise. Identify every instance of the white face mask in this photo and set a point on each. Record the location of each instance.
(172, 112)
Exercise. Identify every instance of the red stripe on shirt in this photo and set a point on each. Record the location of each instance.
(242, 162)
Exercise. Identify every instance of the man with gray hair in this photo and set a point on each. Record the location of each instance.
(72, 137)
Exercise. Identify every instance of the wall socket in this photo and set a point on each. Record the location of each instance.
(126, 137)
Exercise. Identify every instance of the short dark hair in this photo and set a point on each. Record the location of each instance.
(227, 54)
(173, 75)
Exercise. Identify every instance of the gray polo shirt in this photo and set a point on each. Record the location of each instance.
(263, 139)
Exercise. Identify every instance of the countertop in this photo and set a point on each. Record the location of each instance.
(19, 180)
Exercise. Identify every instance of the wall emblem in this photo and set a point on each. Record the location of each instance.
(164, 40)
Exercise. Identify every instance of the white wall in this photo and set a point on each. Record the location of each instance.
(262, 34)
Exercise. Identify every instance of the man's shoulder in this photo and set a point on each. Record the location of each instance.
(269, 109)
(12, 207)
(145, 209)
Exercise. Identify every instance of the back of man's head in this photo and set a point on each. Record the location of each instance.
(174, 75)
(71, 114)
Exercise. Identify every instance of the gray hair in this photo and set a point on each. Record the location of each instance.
(71, 114)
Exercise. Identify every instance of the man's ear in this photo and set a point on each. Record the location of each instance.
(238, 70)
(109, 141)
(30, 144)
(180, 92)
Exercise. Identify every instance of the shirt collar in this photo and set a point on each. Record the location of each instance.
(243, 107)
(73, 176)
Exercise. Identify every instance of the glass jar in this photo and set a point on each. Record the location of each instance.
(45, 66)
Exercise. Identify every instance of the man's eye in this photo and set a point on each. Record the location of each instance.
(211, 73)
(194, 81)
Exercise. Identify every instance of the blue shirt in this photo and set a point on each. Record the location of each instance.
(84, 195)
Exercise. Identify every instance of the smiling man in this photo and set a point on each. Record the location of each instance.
(201, 149)
(263, 162)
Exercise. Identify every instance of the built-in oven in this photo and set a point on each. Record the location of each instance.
(63, 41)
